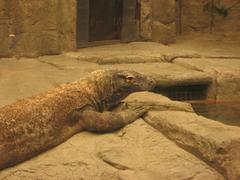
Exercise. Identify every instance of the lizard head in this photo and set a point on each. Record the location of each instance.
(112, 86)
(125, 82)
(130, 81)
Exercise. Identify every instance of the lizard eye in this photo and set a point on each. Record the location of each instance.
(129, 78)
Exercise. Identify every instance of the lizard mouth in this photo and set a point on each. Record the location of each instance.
(152, 83)
(149, 85)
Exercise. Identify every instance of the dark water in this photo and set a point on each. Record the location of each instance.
(225, 113)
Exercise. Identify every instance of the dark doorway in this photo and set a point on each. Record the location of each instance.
(105, 20)
(184, 92)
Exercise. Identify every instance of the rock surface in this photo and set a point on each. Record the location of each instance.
(40, 27)
(167, 74)
(195, 19)
(146, 20)
(136, 152)
(156, 102)
(216, 143)
(163, 21)
(162, 33)
(135, 52)
(216, 45)
(28, 77)
(225, 72)
(4, 34)
(152, 156)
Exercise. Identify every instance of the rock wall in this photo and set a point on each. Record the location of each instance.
(231, 22)
(37, 27)
(158, 21)
(3, 29)
(195, 19)
(46, 27)
(159, 18)
(146, 20)
(163, 23)
(67, 24)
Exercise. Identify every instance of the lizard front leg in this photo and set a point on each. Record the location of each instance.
(107, 121)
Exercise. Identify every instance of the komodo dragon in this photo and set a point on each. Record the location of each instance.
(33, 125)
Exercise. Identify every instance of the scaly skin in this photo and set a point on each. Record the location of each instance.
(33, 125)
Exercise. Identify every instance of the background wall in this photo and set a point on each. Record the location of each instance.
(67, 24)
(158, 21)
(163, 23)
(195, 19)
(146, 20)
(40, 27)
(159, 18)
(43, 27)
(4, 30)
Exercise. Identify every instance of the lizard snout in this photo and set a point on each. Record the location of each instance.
(151, 83)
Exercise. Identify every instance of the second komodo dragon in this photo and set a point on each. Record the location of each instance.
(33, 125)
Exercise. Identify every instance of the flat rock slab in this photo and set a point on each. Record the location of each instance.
(222, 45)
(64, 62)
(167, 74)
(155, 102)
(27, 77)
(225, 72)
(136, 52)
(210, 64)
(137, 152)
(214, 142)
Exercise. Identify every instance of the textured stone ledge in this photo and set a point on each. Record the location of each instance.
(215, 143)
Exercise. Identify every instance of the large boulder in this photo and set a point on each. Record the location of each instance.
(154, 102)
(136, 152)
(214, 142)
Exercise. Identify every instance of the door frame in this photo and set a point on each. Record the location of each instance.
(129, 29)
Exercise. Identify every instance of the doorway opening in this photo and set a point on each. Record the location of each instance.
(105, 20)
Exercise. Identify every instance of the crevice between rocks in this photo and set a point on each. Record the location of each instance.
(171, 58)
(221, 57)
(215, 84)
(116, 165)
(187, 66)
(113, 164)
(51, 64)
